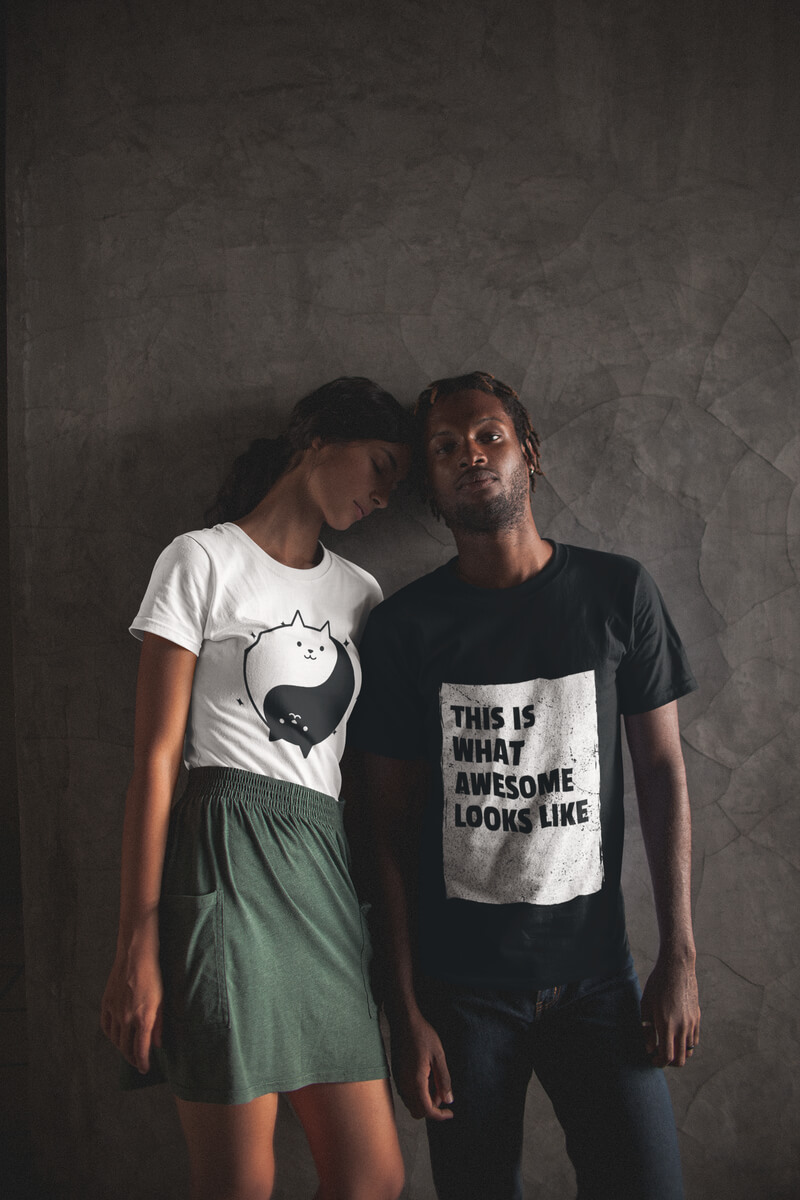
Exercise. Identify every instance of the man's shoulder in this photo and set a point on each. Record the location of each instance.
(603, 564)
(416, 597)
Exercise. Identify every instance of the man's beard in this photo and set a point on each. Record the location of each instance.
(504, 511)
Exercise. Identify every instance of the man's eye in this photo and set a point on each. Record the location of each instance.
(378, 468)
(443, 448)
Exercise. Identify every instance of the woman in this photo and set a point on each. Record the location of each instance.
(242, 957)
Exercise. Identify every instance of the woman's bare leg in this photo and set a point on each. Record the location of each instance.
(351, 1131)
(230, 1148)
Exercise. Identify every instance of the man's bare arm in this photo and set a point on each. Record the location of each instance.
(670, 1008)
(397, 789)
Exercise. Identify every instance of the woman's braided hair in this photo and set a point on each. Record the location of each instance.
(475, 381)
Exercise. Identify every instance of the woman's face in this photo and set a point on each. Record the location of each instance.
(348, 480)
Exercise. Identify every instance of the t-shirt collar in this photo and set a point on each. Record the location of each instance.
(505, 595)
(278, 568)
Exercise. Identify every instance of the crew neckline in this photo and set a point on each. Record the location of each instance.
(541, 579)
(274, 564)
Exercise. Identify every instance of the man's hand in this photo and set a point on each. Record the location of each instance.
(671, 1013)
(420, 1070)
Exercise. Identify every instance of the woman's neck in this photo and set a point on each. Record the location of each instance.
(286, 524)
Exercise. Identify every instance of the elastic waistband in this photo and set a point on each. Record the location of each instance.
(230, 785)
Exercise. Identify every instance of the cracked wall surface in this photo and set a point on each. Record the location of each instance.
(212, 209)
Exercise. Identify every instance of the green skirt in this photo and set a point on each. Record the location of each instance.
(264, 949)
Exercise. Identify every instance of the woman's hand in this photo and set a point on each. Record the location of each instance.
(131, 1012)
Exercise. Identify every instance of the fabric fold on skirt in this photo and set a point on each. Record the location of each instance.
(265, 950)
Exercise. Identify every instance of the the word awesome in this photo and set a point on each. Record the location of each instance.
(509, 787)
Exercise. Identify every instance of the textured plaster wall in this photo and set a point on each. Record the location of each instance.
(214, 208)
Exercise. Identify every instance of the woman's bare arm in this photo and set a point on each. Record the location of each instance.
(131, 1008)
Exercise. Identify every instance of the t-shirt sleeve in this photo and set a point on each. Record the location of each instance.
(387, 718)
(178, 597)
(654, 669)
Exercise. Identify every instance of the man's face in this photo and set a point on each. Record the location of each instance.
(477, 474)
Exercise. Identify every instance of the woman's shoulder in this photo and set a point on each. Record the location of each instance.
(357, 576)
(212, 541)
(198, 552)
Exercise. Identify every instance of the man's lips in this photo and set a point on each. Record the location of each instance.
(361, 511)
(474, 478)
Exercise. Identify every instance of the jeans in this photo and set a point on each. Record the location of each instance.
(584, 1041)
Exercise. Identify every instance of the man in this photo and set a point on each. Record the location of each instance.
(493, 689)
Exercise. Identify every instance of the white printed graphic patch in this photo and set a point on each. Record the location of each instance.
(521, 777)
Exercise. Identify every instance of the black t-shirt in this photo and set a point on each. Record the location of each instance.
(514, 696)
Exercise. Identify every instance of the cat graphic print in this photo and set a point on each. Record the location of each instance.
(521, 780)
(300, 681)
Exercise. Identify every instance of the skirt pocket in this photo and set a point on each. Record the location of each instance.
(191, 931)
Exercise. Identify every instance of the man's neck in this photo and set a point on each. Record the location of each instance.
(502, 559)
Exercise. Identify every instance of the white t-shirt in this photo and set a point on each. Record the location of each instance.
(277, 667)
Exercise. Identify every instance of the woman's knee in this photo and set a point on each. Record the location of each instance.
(392, 1182)
(231, 1190)
(351, 1131)
(220, 1185)
(384, 1185)
(230, 1148)
(396, 1183)
(381, 1177)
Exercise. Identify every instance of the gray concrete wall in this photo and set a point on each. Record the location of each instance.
(215, 207)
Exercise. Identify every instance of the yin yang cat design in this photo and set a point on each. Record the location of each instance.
(300, 681)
